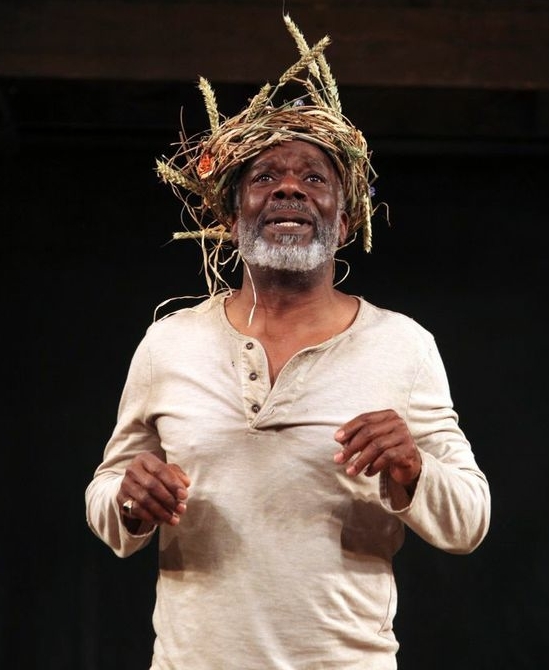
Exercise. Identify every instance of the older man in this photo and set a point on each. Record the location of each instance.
(281, 436)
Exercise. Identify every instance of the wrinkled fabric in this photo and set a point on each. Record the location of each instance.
(282, 561)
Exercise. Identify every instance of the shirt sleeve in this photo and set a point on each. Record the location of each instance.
(450, 507)
(132, 435)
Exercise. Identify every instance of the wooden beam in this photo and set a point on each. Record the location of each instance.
(233, 42)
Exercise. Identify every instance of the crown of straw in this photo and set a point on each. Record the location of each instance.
(207, 165)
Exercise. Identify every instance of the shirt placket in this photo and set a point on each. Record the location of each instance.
(255, 380)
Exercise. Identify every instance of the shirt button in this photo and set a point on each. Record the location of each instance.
(249, 345)
(253, 376)
(255, 409)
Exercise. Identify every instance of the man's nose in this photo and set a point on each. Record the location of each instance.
(289, 186)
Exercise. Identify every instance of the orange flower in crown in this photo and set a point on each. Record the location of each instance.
(208, 164)
(205, 165)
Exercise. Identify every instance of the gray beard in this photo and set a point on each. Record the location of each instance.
(288, 254)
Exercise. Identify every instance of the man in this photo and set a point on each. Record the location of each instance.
(281, 436)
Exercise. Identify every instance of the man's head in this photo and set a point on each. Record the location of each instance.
(289, 209)
(209, 166)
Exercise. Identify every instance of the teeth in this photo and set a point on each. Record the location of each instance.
(287, 224)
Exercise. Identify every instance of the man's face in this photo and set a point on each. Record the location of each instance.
(289, 213)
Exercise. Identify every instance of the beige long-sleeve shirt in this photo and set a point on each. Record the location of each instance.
(282, 561)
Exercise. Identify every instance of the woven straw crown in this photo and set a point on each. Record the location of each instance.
(208, 165)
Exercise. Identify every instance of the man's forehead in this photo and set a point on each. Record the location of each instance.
(298, 150)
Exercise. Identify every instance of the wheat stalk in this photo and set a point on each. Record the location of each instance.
(258, 101)
(173, 176)
(301, 42)
(304, 61)
(210, 102)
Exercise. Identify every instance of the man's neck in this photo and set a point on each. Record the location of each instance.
(282, 291)
(289, 320)
(289, 302)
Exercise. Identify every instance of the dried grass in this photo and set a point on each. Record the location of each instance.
(207, 165)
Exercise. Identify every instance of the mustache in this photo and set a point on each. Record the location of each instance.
(286, 206)
(295, 205)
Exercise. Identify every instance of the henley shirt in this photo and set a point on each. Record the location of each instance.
(282, 561)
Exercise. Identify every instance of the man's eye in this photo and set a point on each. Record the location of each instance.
(316, 178)
(264, 176)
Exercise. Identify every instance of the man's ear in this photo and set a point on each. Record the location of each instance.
(343, 226)
(234, 230)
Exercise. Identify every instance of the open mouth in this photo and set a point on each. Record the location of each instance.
(288, 225)
(289, 222)
(287, 230)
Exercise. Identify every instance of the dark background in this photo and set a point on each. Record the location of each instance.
(87, 256)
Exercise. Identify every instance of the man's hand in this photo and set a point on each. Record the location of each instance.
(377, 441)
(158, 492)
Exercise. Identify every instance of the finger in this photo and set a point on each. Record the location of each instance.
(167, 483)
(402, 460)
(175, 483)
(363, 436)
(149, 510)
(373, 457)
(181, 482)
(348, 430)
(153, 501)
